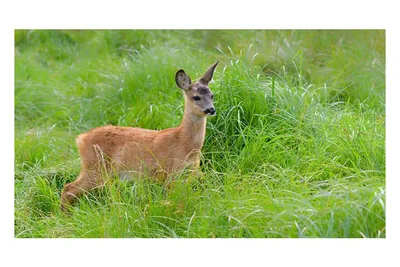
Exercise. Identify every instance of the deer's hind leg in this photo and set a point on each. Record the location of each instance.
(95, 164)
(74, 190)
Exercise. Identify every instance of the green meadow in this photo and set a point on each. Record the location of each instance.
(297, 148)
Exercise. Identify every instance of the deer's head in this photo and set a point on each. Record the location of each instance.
(198, 94)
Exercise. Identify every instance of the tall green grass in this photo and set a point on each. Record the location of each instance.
(297, 148)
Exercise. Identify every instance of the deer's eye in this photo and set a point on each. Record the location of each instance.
(212, 96)
(196, 98)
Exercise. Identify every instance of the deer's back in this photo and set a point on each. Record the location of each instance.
(133, 149)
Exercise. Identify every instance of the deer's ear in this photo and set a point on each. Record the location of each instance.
(182, 80)
(209, 74)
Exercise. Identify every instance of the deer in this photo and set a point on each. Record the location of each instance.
(136, 152)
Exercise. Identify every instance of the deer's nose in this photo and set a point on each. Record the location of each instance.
(210, 111)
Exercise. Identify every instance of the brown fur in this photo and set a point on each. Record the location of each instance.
(135, 152)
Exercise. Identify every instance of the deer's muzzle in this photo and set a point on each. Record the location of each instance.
(210, 111)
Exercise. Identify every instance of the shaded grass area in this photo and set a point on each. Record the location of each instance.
(297, 148)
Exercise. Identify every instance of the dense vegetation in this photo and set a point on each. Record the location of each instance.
(297, 148)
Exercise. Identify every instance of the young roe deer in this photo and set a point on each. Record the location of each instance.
(126, 150)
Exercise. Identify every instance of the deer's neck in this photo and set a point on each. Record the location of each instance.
(193, 128)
